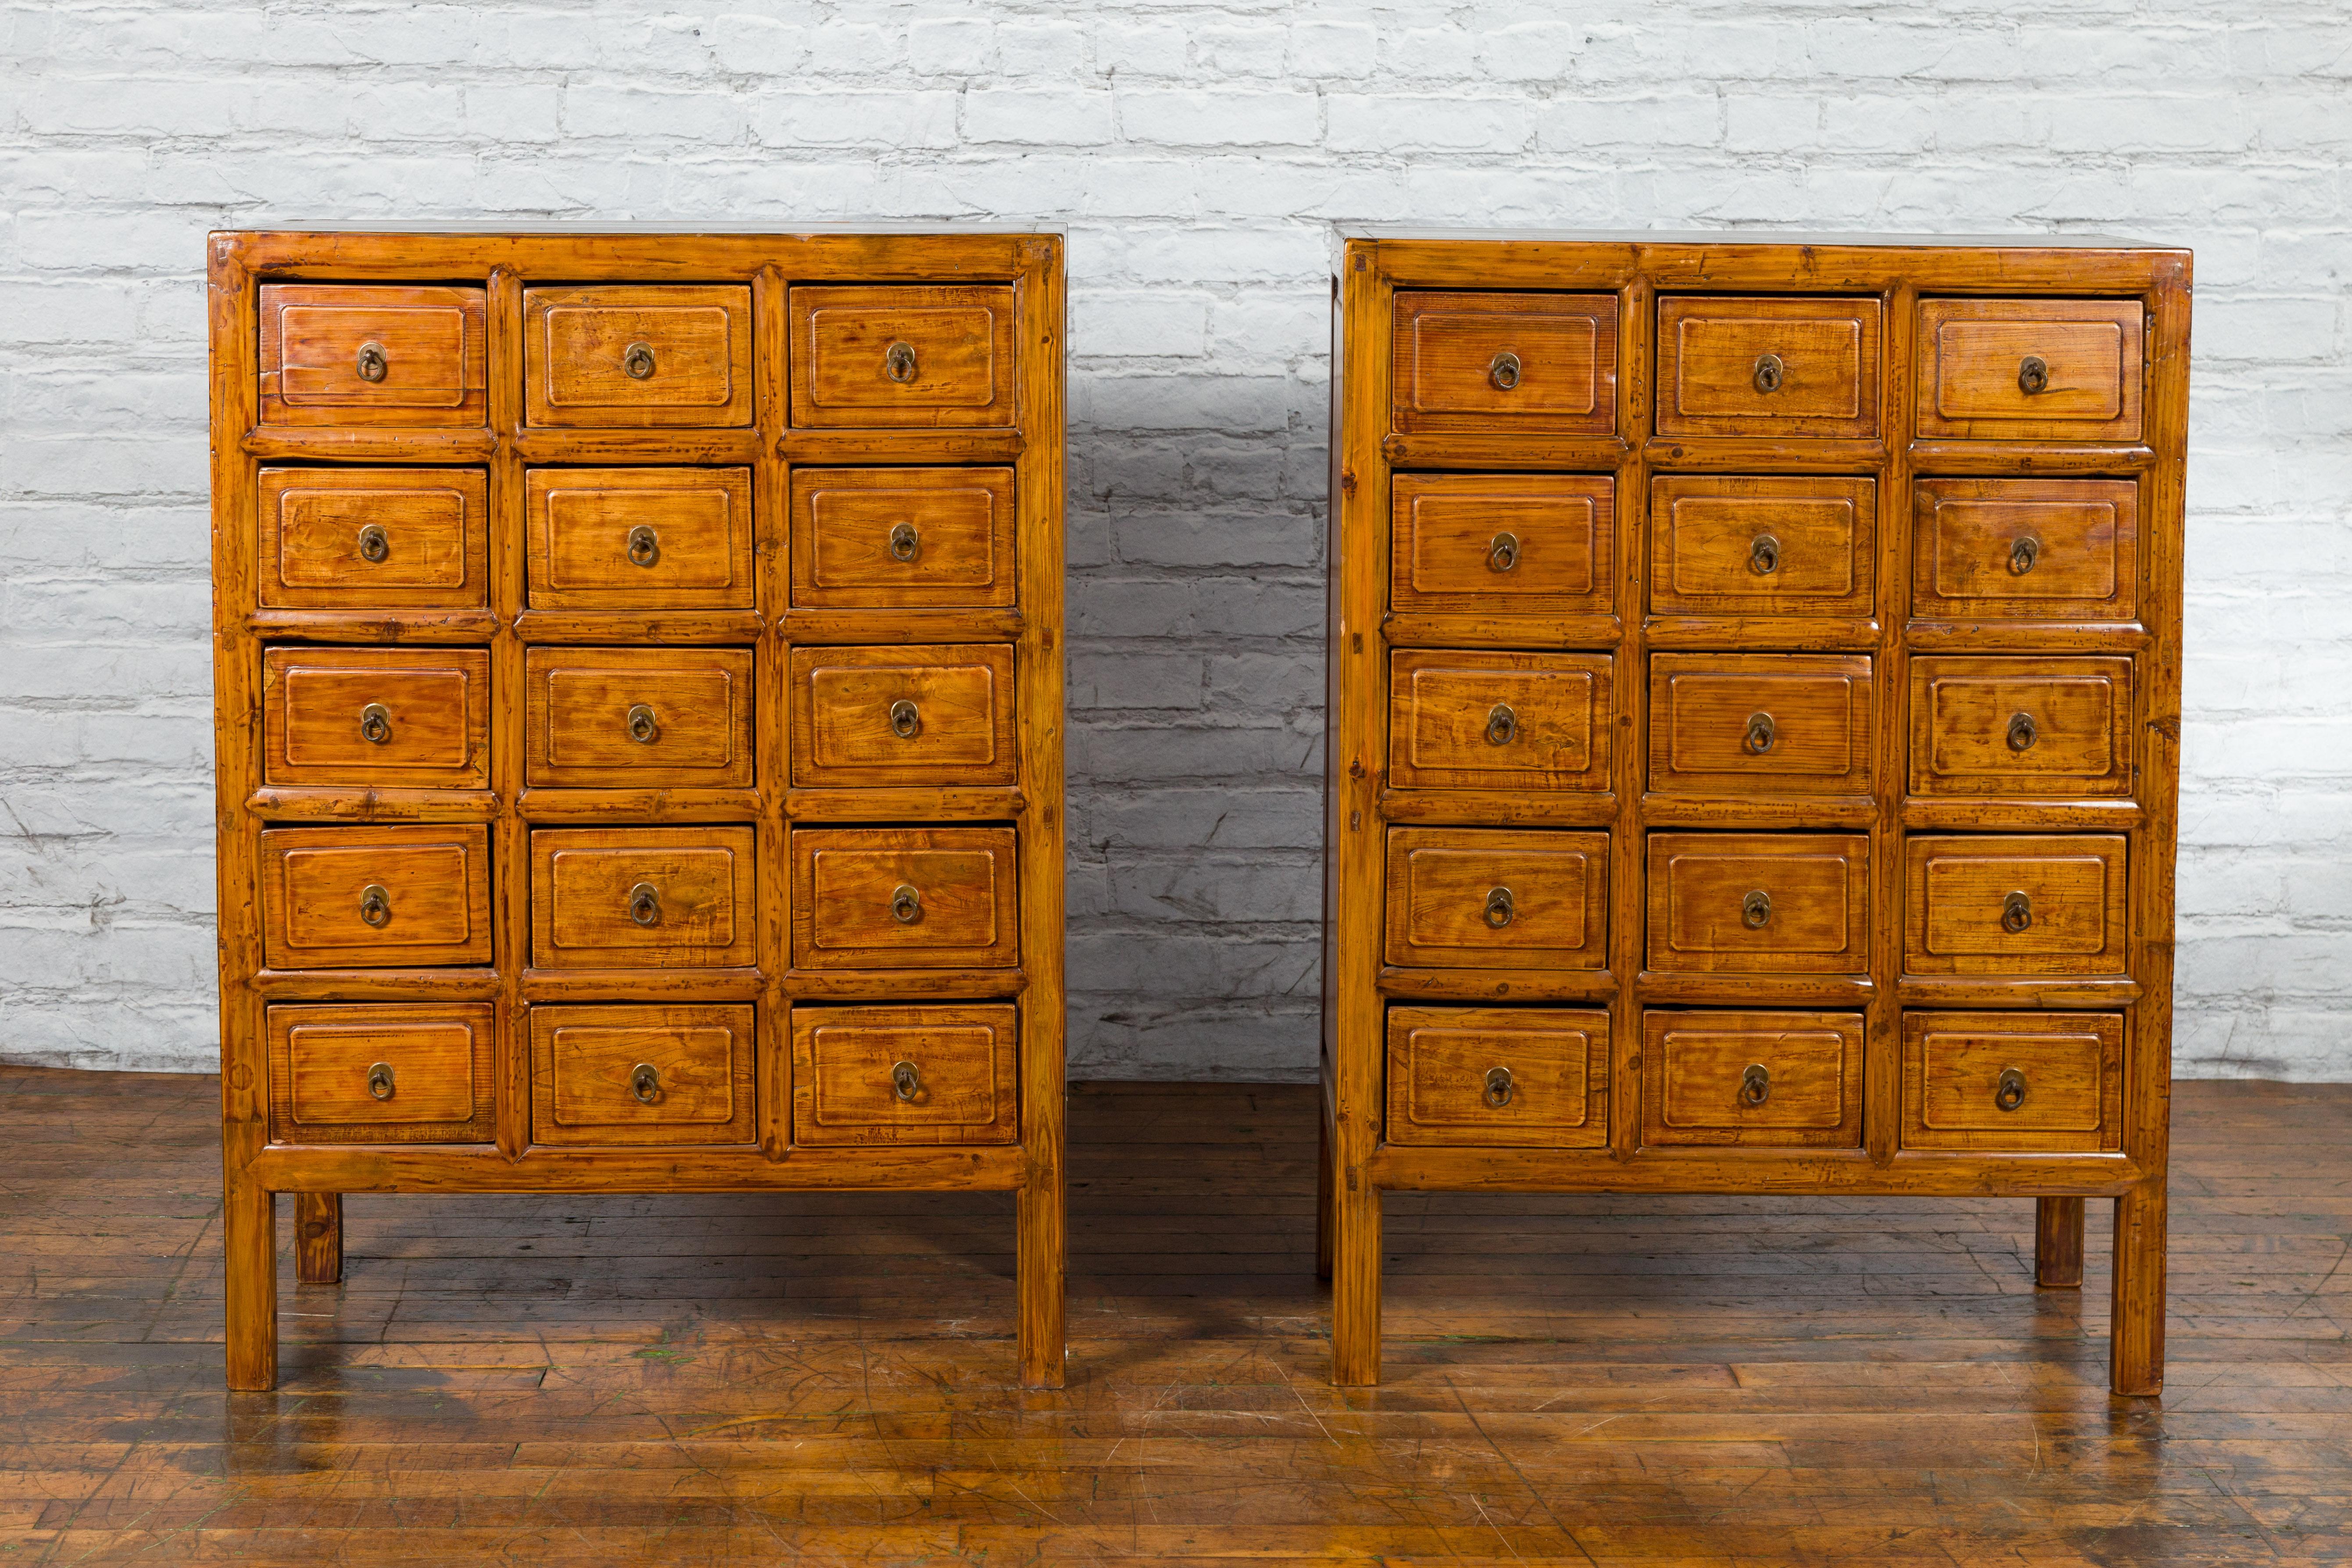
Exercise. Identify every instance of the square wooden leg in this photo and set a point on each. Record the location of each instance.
(251, 1248)
(2058, 1243)
(1039, 1287)
(1356, 1285)
(2136, 1329)
(319, 1238)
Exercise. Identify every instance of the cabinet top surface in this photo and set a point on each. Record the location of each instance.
(1343, 234)
(562, 231)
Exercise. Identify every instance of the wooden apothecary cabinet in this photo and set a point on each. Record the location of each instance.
(1754, 731)
(638, 683)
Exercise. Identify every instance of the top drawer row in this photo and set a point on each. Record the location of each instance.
(2002, 370)
(639, 356)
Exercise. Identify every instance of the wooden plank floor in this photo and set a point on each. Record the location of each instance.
(827, 1379)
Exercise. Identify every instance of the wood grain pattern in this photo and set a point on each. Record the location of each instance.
(890, 717)
(1499, 721)
(587, 911)
(875, 898)
(1461, 898)
(1825, 360)
(1497, 544)
(965, 1088)
(2048, 904)
(633, 355)
(357, 716)
(2074, 741)
(900, 539)
(930, 355)
(1527, 361)
(1974, 384)
(316, 912)
(439, 1089)
(373, 538)
(1777, 547)
(585, 554)
(2070, 1065)
(630, 717)
(1815, 917)
(1442, 1090)
(1695, 1083)
(2025, 550)
(1760, 724)
(378, 355)
(584, 1063)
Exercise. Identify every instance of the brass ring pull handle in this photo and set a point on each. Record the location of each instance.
(905, 719)
(375, 906)
(1498, 1088)
(1502, 725)
(644, 728)
(2024, 551)
(2016, 912)
(899, 361)
(1761, 734)
(1770, 372)
(637, 360)
(1500, 907)
(1755, 1085)
(374, 543)
(904, 542)
(1755, 910)
(1503, 551)
(906, 1080)
(378, 1082)
(2032, 375)
(1764, 556)
(906, 904)
(373, 364)
(644, 1083)
(645, 904)
(1502, 371)
(2022, 732)
(645, 546)
(2008, 1090)
(375, 724)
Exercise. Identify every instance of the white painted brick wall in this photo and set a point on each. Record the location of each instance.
(1195, 152)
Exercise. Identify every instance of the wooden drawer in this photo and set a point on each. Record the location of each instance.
(1517, 361)
(628, 717)
(1499, 1077)
(1502, 544)
(905, 898)
(1767, 367)
(902, 539)
(640, 539)
(374, 354)
(373, 898)
(1784, 1081)
(906, 1075)
(373, 715)
(1748, 724)
(636, 898)
(2059, 728)
(1759, 903)
(373, 538)
(2065, 1097)
(1801, 546)
(634, 1075)
(1473, 897)
(928, 714)
(904, 355)
(382, 1073)
(2048, 904)
(637, 355)
(2025, 550)
(1498, 720)
(2029, 370)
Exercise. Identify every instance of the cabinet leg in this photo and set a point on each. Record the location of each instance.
(2058, 1242)
(1323, 1187)
(1042, 1257)
(2136, 1329)
(319, 1238)
(1356, 1286)
(250, 1231)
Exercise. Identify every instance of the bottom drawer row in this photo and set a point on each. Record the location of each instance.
(618, 1075)
(1540, 1077)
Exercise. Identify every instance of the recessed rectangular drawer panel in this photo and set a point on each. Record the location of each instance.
(637, 355)
(905, 898)
(903, 538)
(372, 354)
(1752, 1079)
(2029, 370)
(371, 898)
(903, 355)
(1473, 898)
(2025, 550)
(1509, 362)
(1745, 724)
(637, 1075)
(1767, 367)
(1461, 720)
(926, 714)
(2059, 728)
(382, 1073)
(370, 715)
(906, 1075)
(2029, 1082)
(373, 538)
(1499, 1077)
(640, 539)
(1759, 903)
(2045, 904)
(643, 898)
(1800, 546)
(1502, 544)
(624, 718)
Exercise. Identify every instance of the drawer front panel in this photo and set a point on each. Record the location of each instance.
(1499, 1077)
(373, 538)
(1502, 544)
(1469, 362)
(2030, 550)
(624, 718)
(904, 898)
(1759, 903)
(381, 1073)
(2029, 370)
(2053, 727)
(903, 355)
(379, 355)
(1745, 724)
(1762, 547)
(369, 897)
(906, 539)
(376, 716)
(906, 1075)
(1767, 367)
(635, 355)
(637, 1075)
(1752, 1079)
(640, 539)
(940, 714)
(643, 897)
(1498, 720)
(1466, 898)
(2048, 904)
(2040, 1082)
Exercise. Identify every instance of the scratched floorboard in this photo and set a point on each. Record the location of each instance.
(723, 1380)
